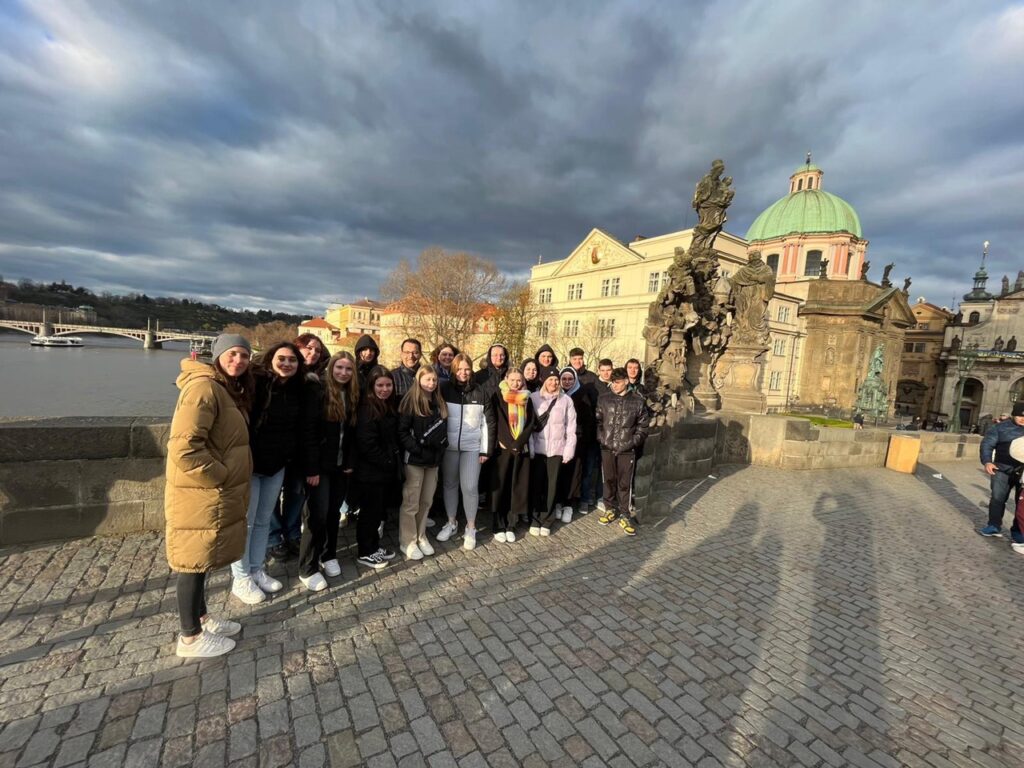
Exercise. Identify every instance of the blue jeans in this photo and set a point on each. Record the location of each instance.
(263, 493)
(286, 522)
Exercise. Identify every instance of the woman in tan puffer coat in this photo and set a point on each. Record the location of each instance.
(209, 465)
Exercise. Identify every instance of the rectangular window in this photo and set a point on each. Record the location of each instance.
(783, 315)
(780, 347)
(908, 346)
(654, 282)
(543, 328)
(919, 347)
(606, 327)
(544, 296)
(575, 291)
(571, 329)
(812, 266)
(772, 260)
(609, 287)
(775, 381)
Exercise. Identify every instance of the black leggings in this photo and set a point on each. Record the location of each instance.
(191, 602)
(323, 514)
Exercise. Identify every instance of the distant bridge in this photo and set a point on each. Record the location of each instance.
(151, 339)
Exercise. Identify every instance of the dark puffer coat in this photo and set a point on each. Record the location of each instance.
(622, 422)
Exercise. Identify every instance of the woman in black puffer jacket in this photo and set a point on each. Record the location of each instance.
(423, 433)
(378, 465)
(281, 430)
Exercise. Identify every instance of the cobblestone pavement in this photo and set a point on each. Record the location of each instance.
(815, 618)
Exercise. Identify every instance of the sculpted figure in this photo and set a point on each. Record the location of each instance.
(1006, 286)
(752, 289)
(823, 270)
(710, 199)
(998, 344)
(864, 270)
(1011, 345)
(906, 285)
(885, 274)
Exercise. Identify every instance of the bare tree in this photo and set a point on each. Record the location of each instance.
(441, 298)
(517, 319)
(265, 334)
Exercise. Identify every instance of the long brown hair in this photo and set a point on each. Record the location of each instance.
(418, 403)
(241, 388)
(341, 400)
(377, 406)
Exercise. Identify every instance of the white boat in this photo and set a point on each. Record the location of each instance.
(56, 341)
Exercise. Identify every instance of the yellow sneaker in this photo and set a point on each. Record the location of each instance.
(608, 517)
(627, 526)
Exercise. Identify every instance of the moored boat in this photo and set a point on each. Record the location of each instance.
(56, 341)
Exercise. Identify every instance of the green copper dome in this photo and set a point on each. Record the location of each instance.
(805, 212)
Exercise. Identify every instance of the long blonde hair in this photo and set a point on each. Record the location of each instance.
(341, 401)
(418, 403)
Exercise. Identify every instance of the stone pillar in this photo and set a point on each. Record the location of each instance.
(151, 342)
(740, 372)
(46, 329)
(698, 375)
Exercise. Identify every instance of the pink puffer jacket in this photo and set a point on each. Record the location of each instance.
(558, 438)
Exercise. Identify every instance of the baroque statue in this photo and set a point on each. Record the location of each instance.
(906, 285)
(886, 282)
(690, 322)
(753, 286)
(864, 270)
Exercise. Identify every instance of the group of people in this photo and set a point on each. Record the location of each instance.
(263, 455)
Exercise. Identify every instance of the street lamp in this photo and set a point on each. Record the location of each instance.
(965, 360)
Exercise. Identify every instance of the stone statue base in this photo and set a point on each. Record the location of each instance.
(698, 376)
(741, 373)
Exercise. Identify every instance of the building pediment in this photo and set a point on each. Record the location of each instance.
(900, 312)
(599, 250)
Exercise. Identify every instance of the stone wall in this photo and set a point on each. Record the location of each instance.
(64, 478)
(693, 448)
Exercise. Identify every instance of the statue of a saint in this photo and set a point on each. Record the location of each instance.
(1011, 345)
(906, 286)
(752, 288)
(864, 270)
(997, 345)
(886, 282)
(710, 199)
(823, 270)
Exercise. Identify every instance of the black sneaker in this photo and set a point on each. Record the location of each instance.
(374, 561)
(279, 554)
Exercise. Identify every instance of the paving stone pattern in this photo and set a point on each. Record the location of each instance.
(773, 618)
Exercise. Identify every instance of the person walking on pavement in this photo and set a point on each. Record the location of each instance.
(1004, 472)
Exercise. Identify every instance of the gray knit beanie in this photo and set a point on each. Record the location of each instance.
(226, 341)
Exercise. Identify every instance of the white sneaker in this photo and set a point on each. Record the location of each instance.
(449, 530)
(545, 531)
(558, 511)
(501, 536)
(245, 589)
(314, 583)
(510, 537)
(222, 627)
(600, 506)
(469, 539)
(535, 530)
(385, 554)
(425, 547)
(413, 552)
(331, 567)
(206, 646)
(266, 582)
(1018, 548)
(566, 514)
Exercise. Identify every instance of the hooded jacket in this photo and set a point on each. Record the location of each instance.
(546, 348)
(492, 376)
(470, 417)
(423, 438)
(366, 342)
(378, 457)
(533, 385)
(558, 436)
(209, 466)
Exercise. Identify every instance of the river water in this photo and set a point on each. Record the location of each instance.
(109, 376)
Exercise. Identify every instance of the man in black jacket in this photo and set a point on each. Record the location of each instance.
(622, 422)
(1004, 471)
(590, 456)
(405, 374)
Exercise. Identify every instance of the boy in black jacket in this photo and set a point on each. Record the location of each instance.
(622, 422)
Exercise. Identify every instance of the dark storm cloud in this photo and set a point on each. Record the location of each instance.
(289, 154)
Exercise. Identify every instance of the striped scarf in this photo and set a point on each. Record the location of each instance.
(515, 403)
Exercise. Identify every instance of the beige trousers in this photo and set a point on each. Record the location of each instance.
(417, 496)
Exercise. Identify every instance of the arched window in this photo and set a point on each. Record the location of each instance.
(799, 185)
(810, 183)
(773, 261)
(812, 267)
(974, 318)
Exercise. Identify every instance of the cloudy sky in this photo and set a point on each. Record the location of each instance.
(288, 154)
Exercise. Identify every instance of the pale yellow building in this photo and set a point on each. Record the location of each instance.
(598, 297)
(356, 318)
